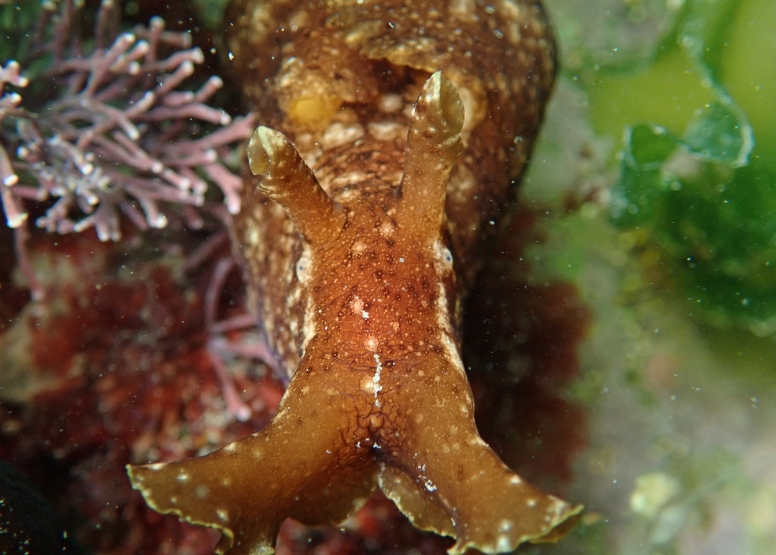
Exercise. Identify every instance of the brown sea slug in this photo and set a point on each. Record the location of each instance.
(394, 131)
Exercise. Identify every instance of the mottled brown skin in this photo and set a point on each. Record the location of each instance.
(348, 55)
(359, 242)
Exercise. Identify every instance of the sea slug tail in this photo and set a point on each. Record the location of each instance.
(445, 478)
(297, 467)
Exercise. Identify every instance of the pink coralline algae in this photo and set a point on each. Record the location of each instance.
(119, 136)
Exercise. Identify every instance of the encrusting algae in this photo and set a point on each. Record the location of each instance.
(394, 133)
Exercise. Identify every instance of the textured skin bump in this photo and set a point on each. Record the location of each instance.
(392, 134)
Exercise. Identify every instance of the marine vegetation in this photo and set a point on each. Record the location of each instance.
(109, 128)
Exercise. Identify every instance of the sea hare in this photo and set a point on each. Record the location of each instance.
(394, 132)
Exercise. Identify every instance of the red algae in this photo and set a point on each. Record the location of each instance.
(126, 377)
(521, 350)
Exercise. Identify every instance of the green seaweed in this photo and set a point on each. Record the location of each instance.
(721, 134)
(703, 31)
(719, 230)
(708, 208)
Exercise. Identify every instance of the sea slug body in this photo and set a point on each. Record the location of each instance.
(392, 134)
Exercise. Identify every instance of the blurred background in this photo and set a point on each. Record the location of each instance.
(655, 181)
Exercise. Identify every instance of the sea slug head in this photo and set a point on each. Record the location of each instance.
(379, 271)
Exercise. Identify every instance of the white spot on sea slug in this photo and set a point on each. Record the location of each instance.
(477, 440)
(386, 229)
(308, 329)
(371, 343)
(182, 477)
(505, 525)
(558, 505)
(531, 503)
(515, 480)
(231, 447)
(461, 183)
(365, 315)
(390, 103)
(503, 543)
(444, 257)
(367, 385)
(471, 115)
(463, 8)
(338, 134)
(303, 266)
(357, 304)
(252, 236)
(156, 466)
(347, 178)
(387, 131)
(222, 514)
(376, 380)
(510, 10)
